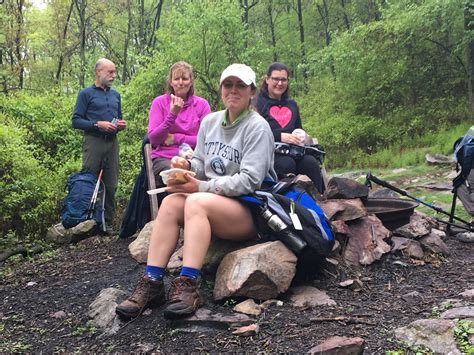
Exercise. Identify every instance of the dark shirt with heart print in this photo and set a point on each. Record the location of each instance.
(283, 115)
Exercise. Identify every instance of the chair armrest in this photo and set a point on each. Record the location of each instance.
(150, 177)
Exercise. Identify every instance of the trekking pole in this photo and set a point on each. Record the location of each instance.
(90, 210)
(453, 208)
(383, 183)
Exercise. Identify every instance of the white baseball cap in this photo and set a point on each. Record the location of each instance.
(241, 71)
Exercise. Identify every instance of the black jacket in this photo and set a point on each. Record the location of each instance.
(283, 115)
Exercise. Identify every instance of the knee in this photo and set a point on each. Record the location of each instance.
(171, 205)
(197, 203)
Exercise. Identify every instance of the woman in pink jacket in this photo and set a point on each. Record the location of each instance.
(175, 118)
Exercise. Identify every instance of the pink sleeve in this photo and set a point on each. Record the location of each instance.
(160, 119)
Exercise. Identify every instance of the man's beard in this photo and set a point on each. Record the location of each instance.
(106, 83)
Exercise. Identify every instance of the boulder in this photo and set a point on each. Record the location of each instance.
(139, 247)
(345, 210)
(344, 188)
(102, 310)
(218, 248)
(435, 334)
(419, 225)
(366, 241)
(434, 244)
(57, 234)
(408, 247)
(260, 271)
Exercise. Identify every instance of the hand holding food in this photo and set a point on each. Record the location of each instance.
(180, 162)
(176, 176)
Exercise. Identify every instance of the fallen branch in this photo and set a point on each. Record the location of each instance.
(343, 319)
(20, 249)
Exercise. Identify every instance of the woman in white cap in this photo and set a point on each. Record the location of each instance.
(234, 154)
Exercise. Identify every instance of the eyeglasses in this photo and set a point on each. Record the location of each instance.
(278, 80)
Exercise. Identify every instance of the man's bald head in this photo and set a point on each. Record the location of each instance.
(105, 73)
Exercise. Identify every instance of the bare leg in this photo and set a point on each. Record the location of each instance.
(166, 230)
(206, 214)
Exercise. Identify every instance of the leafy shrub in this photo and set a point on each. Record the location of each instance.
(29, 191)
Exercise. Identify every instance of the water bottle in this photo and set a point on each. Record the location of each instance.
(290, 239)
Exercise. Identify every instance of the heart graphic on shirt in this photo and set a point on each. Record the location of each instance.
(281, 114)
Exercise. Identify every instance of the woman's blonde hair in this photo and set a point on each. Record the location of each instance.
(180, 66)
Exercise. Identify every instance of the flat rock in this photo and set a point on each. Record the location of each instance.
(435, 334)
(205, 318)
(248, 307)
(102, 310)
(247, 331)
(468, 294)
(309, 297)
(345, 210)
(459, 313)
(260, 271)
(439, 159)
(366, 241)
(438, 186)
(413, 297)
(339, 346)
(465, 237)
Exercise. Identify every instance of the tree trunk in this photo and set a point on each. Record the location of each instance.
(469, 27)
(81, 10)
(156, 25)
(324, 13)
(345, 18)
(302, 44)
(141, 26)
(62, 42)
(272, 29)
(18, 43)
(125, 46)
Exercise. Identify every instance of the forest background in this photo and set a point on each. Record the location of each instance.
(378, 82)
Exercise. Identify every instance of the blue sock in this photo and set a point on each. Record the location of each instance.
(155, 273)
(190, 272)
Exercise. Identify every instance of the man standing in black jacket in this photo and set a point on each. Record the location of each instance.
(98, 113)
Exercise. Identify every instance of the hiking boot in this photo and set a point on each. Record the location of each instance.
(184, 298)
(147, 293)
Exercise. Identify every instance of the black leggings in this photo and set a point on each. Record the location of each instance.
(308, 165)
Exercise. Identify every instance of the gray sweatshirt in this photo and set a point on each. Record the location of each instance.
(233, 160)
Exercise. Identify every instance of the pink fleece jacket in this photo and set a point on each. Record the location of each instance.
(184, 126)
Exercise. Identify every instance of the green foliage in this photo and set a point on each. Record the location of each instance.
(463, 330)
(28, 189)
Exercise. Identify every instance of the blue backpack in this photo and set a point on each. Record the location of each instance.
(464, 154)
(77, 206)
(308, 235)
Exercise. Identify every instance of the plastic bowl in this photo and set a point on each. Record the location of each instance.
(175, 174)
